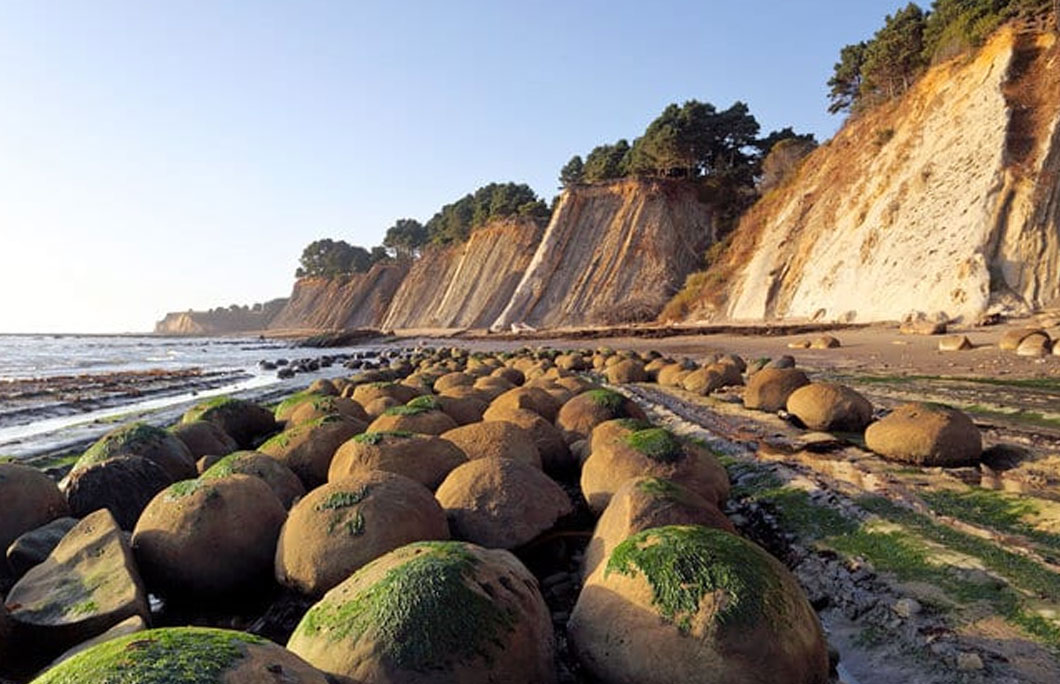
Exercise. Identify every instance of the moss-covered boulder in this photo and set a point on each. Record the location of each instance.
(146, 441)
(769, 388)
(341, 526)
(553, 449)
(926, 435)
(433, 613)
(29, 499)
(581, 414)
(422, 415)
(495, 439)
(36, 545)
(88, 584)
(285, 408)
(307, 449)
(184, 655)
(532, 399)
(694, 604)
(612, 430)
(318, 407)
(123, 485)
(652, 452)
(427, 459)
(209, 539)
(642, 503)
(281, 479)
(244, 421)
(500, 503)
(830, 407)
(204, 439)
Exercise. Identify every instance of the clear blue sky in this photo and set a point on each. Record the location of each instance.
(159, 156)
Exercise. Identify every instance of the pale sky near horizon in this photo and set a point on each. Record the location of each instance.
(161, 156)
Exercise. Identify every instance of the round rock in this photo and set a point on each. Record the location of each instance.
(495, 439)
(926, 435)
(281, 479)
(146, 441)
(830, 407)
(123, 485)
(244, 421)
(433, 613)
(427, 459)
(769, 388)
(501, 503)
(30, 499)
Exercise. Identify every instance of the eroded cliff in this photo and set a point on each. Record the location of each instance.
(359, 300)
(220, 321)
(612, 253)
(945, 200)
(466, 285)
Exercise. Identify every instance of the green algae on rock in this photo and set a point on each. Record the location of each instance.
(147, 441)
(658, 444)
(432, 611)
(182, 655)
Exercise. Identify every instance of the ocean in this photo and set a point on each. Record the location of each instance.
(60, 392)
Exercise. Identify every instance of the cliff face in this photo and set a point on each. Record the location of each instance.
(612, 253)
(943, 201)
(359, 300)
(220, 321)
(465, 286)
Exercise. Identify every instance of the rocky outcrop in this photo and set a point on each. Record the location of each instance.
(466, 285)
(612, 253)
(946, 200)
(220, 321)
(359, 300)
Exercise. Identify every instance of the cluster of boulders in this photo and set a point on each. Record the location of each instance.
(920, 433)
(399, 500)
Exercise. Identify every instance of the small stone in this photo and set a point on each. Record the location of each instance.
(906, 607)
(968, 662)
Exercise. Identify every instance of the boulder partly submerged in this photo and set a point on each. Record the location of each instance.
(694, 604)
(430, 613)
(184, 655)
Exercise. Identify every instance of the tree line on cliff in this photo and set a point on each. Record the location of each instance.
(912, 39)
(720, 150)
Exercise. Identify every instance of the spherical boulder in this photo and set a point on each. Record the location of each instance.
(318, 407)
(512, 375)
(341, 526)
(695, 604)
(377, 407)
(307, 449)
(147, 441)
(244, 421)
(626, 371)
(532, 399)
(285, 408)
(641, 504)
(616, 429)
(189, 655)
(492, 386)
(673, 375)
(432, 613)
(830, 407)
(926, 435)
(281, 479)
(365, 394)
(464, 410)
(124, 485)
(703, 381)
(209, 539)
(30, 499)
(651, 452)
(769, 388)
(501, 503)
(581, 414)
(1011, 339)
(324, 387)
(955, 343)
(495, 439)
(422, 415)
(824, 342)
(555, 454)
(204, 439)
(427, 459)
(1036, 345)
(454, 379)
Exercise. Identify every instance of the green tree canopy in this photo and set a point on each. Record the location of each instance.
(607, 162)
(454, 222)
(572, 173)
(406, 237)
(896, 54)
(329, 258)
(845, 84)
